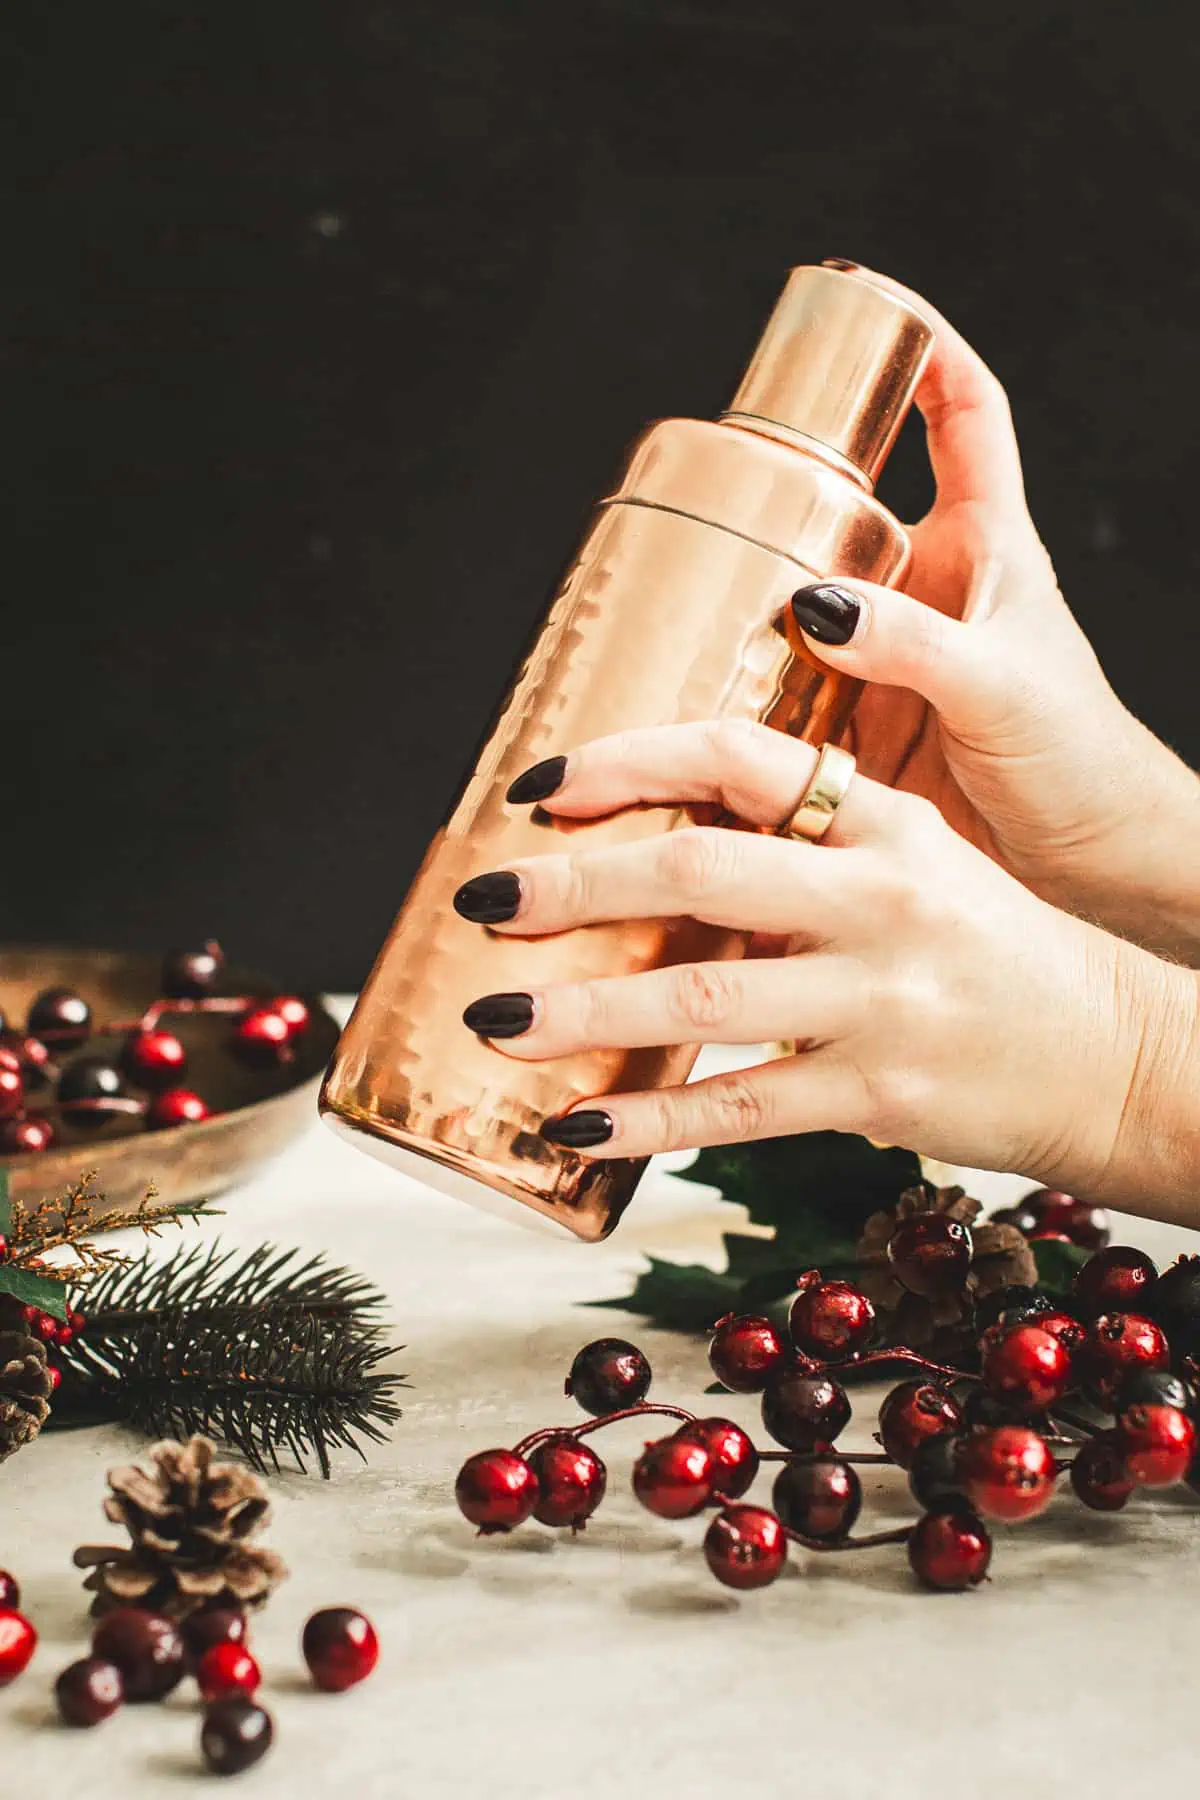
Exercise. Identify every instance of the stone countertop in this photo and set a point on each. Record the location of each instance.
(540, 1667)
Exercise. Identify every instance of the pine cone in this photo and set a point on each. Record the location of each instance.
(25, 1390)
(190, 1522)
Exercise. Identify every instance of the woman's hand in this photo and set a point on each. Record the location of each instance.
(1023, 746)
(940, 1003)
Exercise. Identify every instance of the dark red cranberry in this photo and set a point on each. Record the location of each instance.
(214, 1625)
(1156, 1387)
(10, 1592)
(674, 1477)
(1077, 1220)
(1027, 1367)
(178, 1106)
(147, 1649)
(89, 1691)
(191, 974)
(913, 1411)
(25, 1137)
(12, 1093)
(9, 1057)
(496, 1490)
(571, 1481)
(1007, 1473)
(1098, 1473)
(227, 1669)
(804, 1412)
(154, 1059)
(1157, 1444)
(262, 1038)
(54, 1376)
(42, 1325)
(830, 1320)
(745, 1547)
(1116, 1344)
(340, 1647)
(92, 1080)
(818, 1496)
(60, 1017)
(607, 1376)
(18, 1641)
(235, 1735)
(293, 1011)
(930, 1254)
(1023, 1217)
(745, 1350)
(1116, 1279)
(1006, 1305)
(36, 1063)
(1174, 1303)
(1069, 1332)
(735, 1460)
(950, 1550)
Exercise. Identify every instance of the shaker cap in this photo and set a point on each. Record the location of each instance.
(838, 363)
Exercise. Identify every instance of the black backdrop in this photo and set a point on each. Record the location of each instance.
(324, 322)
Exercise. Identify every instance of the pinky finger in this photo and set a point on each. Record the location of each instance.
(815, 1091)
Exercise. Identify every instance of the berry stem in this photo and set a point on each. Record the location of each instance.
(213, 1003)
(910, 1359)
(875, 1541)
(846, 1456)
(579, 1431)
(115, 1104)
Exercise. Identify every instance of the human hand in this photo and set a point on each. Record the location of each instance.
(986, 696)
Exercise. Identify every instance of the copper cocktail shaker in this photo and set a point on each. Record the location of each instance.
(675, 608)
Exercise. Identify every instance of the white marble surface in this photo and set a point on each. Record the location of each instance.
(545, 1668)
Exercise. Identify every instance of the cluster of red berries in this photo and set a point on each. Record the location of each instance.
(980, 1445)
(142, 1656)
(44, 1080)
(54, 1333)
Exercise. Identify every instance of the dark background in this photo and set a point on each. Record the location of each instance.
(323, 324)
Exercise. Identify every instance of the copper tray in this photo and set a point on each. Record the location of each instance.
(257, 1112)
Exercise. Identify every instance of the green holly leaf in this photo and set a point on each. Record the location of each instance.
(32, 1289)
(680, 1296)
(792, 1182)
(1058, 1264)
(5, 1205)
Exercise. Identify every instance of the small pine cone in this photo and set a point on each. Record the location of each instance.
(1000, 1258)
(25, 1390)
(190, 1522)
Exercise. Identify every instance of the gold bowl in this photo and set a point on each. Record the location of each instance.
(256, 1112)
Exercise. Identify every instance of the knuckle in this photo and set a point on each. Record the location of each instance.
(573, 888)
(727, 741)
(692, 862)
(739, 1108)
(703, 995)
(896, 1102)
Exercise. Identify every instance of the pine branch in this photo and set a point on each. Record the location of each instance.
(226, 1282)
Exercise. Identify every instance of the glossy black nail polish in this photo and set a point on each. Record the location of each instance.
(838, 262)
(489, 899)
(499, 1015)
(579, 1130)
(538, 783)
(829, 614)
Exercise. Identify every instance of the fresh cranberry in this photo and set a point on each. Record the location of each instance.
(745, 1547)
(262, 1038)
(61, 1017)
(1116, 1344)
(191, 974)
(735, 1460)
(1069, 1332)
(935, 1478)
(27, 1136)
(930, 1254)
(745, 1350)
(607, 1376)
(913, 1411)
(340, 1648)
(830, 1320)
(213, 1625)
(818, 1496)
(18, 1641)
(43, 1325)
(236, 1734)
(1076, 1220)
(1007, 1473)
(1026, 1367)
(293, 1011)
(1098, 1473)
(950, 1550)
(1116, 1279)
(804, 1412)
(89, 1691)
(496, 1490)
(10, 1592)
(147, 1648)
(571, 1481)
(1157, 1444)
(178, 1106)
(86, 1089)
(226, 1669)
(154, 1059)
(674, 1477)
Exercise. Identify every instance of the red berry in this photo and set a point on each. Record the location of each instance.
(226, 1669)
(674, 1477)
(35, 1062)
(89, 1691)
(60, 1017)
(1023, 1217)
(262, 1038)
(10, 1592)
(178, 1106)
(25, 1137)
(1069, 1332)
(43, 1325)
(745, 1350)
(147, 1649)
(191, 974)
(18, 1641)
(496, 1490)
(77, 1322)
(94, 1081)
(745, 1547)
(236, 1734)
(950, 1550)
(154, 1059)
(9, 1057)
(571, 1481)
(804, 1412)
(930, 1254)
(913, 1411)
(818, 1496)
(1098, 1473)
(1006, 1473)
(293, 1012)
(213, 1625)
(12, 1093)
(1027, 1367)
(1116, 1344)
(735, 1460)
(607, 1376)
(1157, 1444)
(54, 1377)
(1077, 1220)
(340, 1648)
(830, 1319)
(1115, 1280)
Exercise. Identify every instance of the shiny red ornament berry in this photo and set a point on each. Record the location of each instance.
(745, 1350)
(191, 974)
(1069, 1332)
(913, 1411)
(1117, 1279)
(735, 1460)
(950, 1550)
(213, 1625)
(1023, 1217)
(147, 1648)
(1027, 1367)
(236, 1734)
(571, 1481)
(61, 1017)
(18, 1641)
(1157, 1444)
(12, 1093)
(35, 1063)
(54, 1377)
(293, 1011)
(9, 1057)
(27, 1136)
(10, 1592)
(496, 1490)
(830, 1320)
(674, 1477)
(818, 1496)
(1116, 1344)
(1076, 1220)
(930, 1254)
(178, 1106)
(1098, 1473)
(804, 1412)
(262, 1038)
(89, 1691)
(154, 1059)
(43, 1325)
(607, 1376)
(226, 1669)
(95, 1081)
(340, 1647)
(1006, 1473)
(745, 1547)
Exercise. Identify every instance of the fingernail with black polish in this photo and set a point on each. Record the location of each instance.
(489, 899)
(578, 1130)
(829, 614)
(838, 262)
(499, 1015)
(538, 783)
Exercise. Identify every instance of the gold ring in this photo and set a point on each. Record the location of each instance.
(827, 788)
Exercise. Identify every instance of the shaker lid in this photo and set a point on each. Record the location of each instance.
(838, 363)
